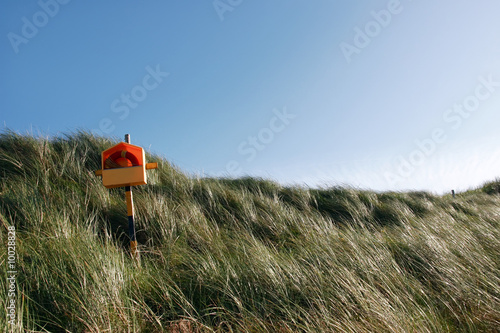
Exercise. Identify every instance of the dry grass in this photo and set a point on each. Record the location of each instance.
(244, 255)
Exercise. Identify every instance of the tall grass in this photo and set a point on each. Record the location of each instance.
(240, 255)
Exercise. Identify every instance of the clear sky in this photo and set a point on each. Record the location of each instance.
(383, 95)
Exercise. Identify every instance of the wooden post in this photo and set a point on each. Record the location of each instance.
(130, 213)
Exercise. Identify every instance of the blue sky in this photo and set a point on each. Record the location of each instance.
(383, 95)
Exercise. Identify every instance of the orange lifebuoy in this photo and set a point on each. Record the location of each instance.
(121, 159)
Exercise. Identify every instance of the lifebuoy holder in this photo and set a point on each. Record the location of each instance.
(124, 165)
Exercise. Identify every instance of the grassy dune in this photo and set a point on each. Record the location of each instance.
(244, 255)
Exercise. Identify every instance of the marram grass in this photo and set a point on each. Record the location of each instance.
(244, 255)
